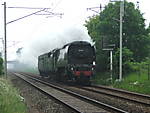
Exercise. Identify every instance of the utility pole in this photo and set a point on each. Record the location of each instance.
(5, 42)
(137, 4)
(111, 65)
(94, 9)
(121, 19)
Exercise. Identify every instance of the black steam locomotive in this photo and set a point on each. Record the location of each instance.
(73, 62)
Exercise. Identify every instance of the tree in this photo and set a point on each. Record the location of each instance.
(106, 25)
(93, 30)
(127, 58)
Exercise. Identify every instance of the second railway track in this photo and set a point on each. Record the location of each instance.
(116, 93)
(128, 103)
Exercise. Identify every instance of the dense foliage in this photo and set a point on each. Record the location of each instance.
(105, 28)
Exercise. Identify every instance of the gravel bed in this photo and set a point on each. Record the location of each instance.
(53, 107)
(122, 104)
(121, 94)
(37, 102)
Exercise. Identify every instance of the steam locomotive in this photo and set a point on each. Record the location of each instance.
(73, 62)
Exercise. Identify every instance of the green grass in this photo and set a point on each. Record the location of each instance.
(136, 82)
(10, 101)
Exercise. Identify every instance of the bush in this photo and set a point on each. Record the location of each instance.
(127, 58)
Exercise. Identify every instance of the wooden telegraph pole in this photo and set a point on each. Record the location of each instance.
(5, 42)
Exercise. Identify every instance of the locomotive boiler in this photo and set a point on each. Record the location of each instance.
(73, 62)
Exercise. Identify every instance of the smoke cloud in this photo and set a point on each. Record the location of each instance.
(47, 38)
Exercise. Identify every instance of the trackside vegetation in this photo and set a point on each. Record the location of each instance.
(104, 29)
(10, 101)
(132, 82)
(136, 81)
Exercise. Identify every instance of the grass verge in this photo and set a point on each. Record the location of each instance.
(132, 82)
(10, 101)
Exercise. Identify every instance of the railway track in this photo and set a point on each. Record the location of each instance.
(128, 101)
(121, 101)
(74, 101)
(121, 94)
(137, 97)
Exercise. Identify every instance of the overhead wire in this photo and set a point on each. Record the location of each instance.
(25, 16)
(42, 9)
(29, 7)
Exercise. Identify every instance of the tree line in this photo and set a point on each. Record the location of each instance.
(104, 30)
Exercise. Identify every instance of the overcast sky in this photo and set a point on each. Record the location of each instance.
(75, 13)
